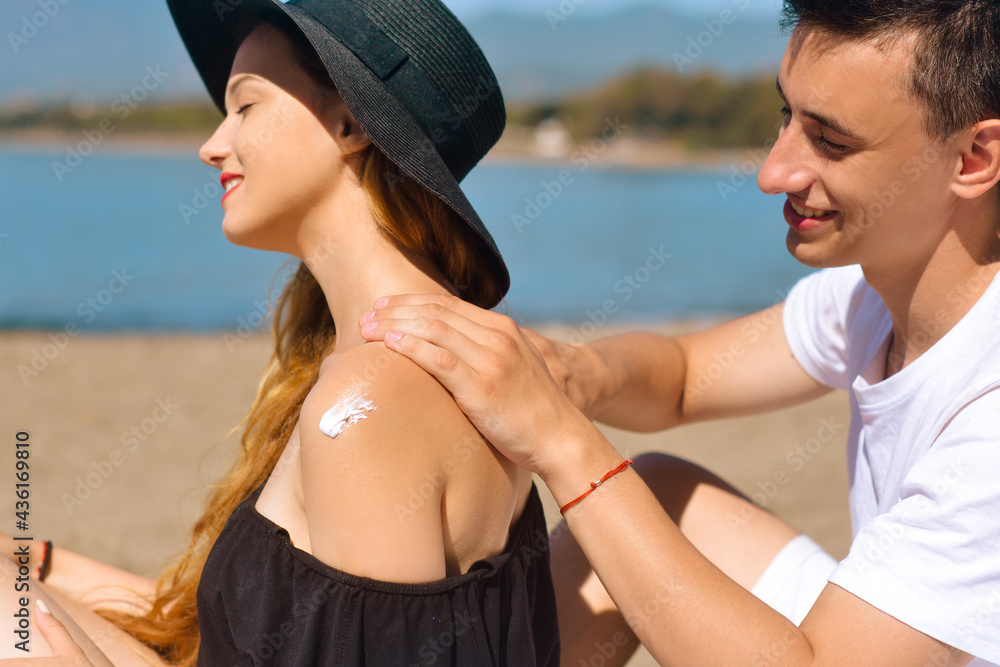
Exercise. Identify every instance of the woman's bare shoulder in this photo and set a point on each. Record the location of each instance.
(383, 383)
(374, 430)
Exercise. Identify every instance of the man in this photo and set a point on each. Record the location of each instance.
(888, 158)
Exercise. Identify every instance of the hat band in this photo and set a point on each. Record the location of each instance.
(348, 23)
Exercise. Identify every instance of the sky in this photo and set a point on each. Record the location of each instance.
(470, 8)
(59, 61)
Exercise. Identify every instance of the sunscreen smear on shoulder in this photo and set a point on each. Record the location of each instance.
(348, 411)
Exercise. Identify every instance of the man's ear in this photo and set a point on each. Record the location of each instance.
(980, 169)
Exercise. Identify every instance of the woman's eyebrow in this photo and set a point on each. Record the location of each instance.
(237, 82)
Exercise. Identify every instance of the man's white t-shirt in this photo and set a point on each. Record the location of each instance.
(923, 455)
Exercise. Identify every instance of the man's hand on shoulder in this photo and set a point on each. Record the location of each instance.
(370, 433)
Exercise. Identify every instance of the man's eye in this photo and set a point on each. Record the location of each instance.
(830, 147)
(786, 117)
(243, 108)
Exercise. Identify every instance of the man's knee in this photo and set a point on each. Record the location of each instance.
(674, 480)
(659, 464)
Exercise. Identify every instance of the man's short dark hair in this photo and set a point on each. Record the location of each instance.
(956, 60)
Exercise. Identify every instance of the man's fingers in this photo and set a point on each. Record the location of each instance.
(438, 333)
(448, 301)
(537, 339)
(56, 634)
(540, 346)
(443, 364)
(549, 353)
(440, 306)
(426, 312)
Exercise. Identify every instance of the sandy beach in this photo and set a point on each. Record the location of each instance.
(127, 432)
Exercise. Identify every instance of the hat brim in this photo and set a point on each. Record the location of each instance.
(212, 40)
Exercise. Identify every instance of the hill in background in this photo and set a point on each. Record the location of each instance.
(546, 60)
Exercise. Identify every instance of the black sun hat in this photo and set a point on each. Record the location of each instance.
(408, 70)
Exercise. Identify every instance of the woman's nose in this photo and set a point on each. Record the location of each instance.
(218, 147)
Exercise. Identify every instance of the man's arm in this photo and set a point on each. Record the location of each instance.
(682, 607)
(648, 382)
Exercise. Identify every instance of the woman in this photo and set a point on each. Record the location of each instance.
(366, 521)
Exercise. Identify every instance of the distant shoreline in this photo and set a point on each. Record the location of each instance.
(552, 329)
(625, 155)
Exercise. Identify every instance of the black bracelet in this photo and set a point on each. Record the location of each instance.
(43, 569)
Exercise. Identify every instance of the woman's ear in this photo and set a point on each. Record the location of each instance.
(343, 126)
(354, 135)
(980, 169)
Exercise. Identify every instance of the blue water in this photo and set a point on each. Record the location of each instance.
(593, 245)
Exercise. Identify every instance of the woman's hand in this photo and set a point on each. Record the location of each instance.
(497, 375)
(65, 652)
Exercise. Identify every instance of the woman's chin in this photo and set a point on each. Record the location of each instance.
(243, 235)
(250, 239)
(237, 236)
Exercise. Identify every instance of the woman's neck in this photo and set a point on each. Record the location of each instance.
(353, 273)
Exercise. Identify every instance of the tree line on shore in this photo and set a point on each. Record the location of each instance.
(705, 111)
(701, 111)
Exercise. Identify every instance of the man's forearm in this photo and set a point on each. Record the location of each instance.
(682, 607)
(642, 381)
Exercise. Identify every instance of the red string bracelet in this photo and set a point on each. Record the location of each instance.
(594, 485)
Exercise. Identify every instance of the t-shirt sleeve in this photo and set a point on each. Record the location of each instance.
(933, 560)
(817, 317)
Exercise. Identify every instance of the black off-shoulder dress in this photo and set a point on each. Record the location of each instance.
(263, 601)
